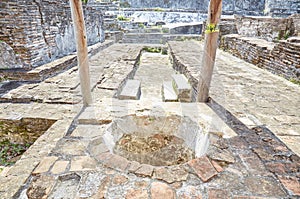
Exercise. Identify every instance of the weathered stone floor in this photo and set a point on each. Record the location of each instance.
(251, 162)
(255, 96)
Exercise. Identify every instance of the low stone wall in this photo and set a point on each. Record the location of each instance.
(267, 28)
(190, 28)
(187, 61)
(50, 69)
(40, 31)
(282, 58)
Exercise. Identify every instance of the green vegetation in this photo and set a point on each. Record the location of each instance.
(141, 25)
(3, 78)
(16, 136)
(122, 18)
(84, 1)
(165, 30)
(295, 81)
(159, 10)
(283, 35)
(156, 26)
(11, 152)
(152, 50)
(163, 51)
(286, 35)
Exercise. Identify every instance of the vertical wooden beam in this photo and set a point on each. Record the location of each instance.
(210, 48)
(82, 51)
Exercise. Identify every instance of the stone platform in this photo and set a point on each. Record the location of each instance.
(257, 157)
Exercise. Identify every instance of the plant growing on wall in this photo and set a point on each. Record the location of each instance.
(122, 18)
(283, 35)
(159, 10)
(141, 25)
(286, 34)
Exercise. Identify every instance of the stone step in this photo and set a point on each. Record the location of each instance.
(168, 92)
(182, 88)
(131, 90)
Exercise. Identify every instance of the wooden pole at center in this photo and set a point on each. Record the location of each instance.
(210, 49)
(82, 51)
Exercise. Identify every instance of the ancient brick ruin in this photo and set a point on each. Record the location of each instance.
(145, 133)
(269, 43)
(41, 31)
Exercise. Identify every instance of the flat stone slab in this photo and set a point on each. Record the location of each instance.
(168, 92)
(182, 87)
(131, 90)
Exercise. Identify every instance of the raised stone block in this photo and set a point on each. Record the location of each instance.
(131, 90)
(182, 88)
(168, 92)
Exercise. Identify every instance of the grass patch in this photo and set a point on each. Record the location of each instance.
(163, 51)
(141, 25)
(295, 81)
(152, 50)
(122, 18)
(165, 30)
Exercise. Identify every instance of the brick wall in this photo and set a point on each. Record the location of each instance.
(40, 31)
(267, 28)
(282, 58)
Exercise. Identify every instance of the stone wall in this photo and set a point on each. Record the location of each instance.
(278, 8)
(249, 7)
(267, 28)
(281, 8)
(280, 58)
(40, 31)
(296, 23)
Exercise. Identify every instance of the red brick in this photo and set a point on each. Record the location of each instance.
(276, 167)
(145, 170)
(291, 183)
(217, 166)
(203, 168)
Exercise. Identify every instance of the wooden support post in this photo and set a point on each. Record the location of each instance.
(82, 51)
(210, 48)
